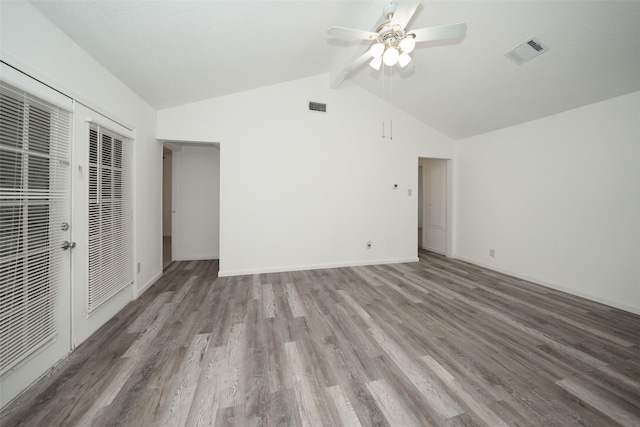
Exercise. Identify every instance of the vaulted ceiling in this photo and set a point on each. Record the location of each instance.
(177, 52)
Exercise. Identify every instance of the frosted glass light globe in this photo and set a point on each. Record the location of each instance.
(376, 63)
(377, 50)
(407, 44)
(391, 56)
(404, 59)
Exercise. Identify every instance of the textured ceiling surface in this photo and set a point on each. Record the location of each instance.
(177, 52)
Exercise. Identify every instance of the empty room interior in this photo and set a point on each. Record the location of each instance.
(309, 213)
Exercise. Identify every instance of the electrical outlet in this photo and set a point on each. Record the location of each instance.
(492, 252)
(369, 244)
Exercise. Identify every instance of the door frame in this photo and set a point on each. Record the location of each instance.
(175, 149)
(449, 203)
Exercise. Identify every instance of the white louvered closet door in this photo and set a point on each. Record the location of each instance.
(34, 217)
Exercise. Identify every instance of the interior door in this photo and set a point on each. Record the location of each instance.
(435, 205)
(35, 230)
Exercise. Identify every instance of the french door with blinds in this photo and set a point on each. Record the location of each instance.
(35, 136)
(66, 227)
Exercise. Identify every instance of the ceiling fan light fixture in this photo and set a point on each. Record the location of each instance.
(403, 60)
(392, 43)
(376, 63)
(391, 56)
(377, 50)
(408, 43)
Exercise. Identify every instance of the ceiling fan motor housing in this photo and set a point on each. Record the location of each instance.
(389, 10)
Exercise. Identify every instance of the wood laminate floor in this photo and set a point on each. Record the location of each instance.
(439, 342)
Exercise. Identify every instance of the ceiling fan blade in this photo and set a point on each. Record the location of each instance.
(358, 62)
(403, 14)
(441, 32)
(350, 33)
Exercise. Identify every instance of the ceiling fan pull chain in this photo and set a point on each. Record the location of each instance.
(391, 129)
(383, 129)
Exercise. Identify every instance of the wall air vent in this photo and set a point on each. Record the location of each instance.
(317, 106)
(526, 50)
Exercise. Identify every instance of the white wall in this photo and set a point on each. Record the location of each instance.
(33, 44)
(197, 203)
(302, 189)
(559, 201)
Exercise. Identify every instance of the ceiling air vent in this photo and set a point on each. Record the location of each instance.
(317, 106)
(526, 50)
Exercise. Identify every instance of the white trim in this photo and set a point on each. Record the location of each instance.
(175, 202)
(105, 122)
(198, 257)
(170, 145)
(134, 216)
(451, 207)
(586, 295)
(229, 273)
(437, 251)
(162, 220)
(152, 281)
(24, 82)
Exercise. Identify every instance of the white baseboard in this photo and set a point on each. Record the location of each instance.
(585, 295)
(198, 257)
(430, 249)
(142, 289)
(228, 273)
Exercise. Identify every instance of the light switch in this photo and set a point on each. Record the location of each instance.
(409, 192)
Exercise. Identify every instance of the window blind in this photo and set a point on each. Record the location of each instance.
(111, 260)
(34, 202)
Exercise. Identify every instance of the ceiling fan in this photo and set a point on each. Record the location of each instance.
(393, 41)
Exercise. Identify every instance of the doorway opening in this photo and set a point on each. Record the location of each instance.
(167, 196)
(434, 205)
(191, 201)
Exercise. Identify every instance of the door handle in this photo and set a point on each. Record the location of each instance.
(68, 245)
